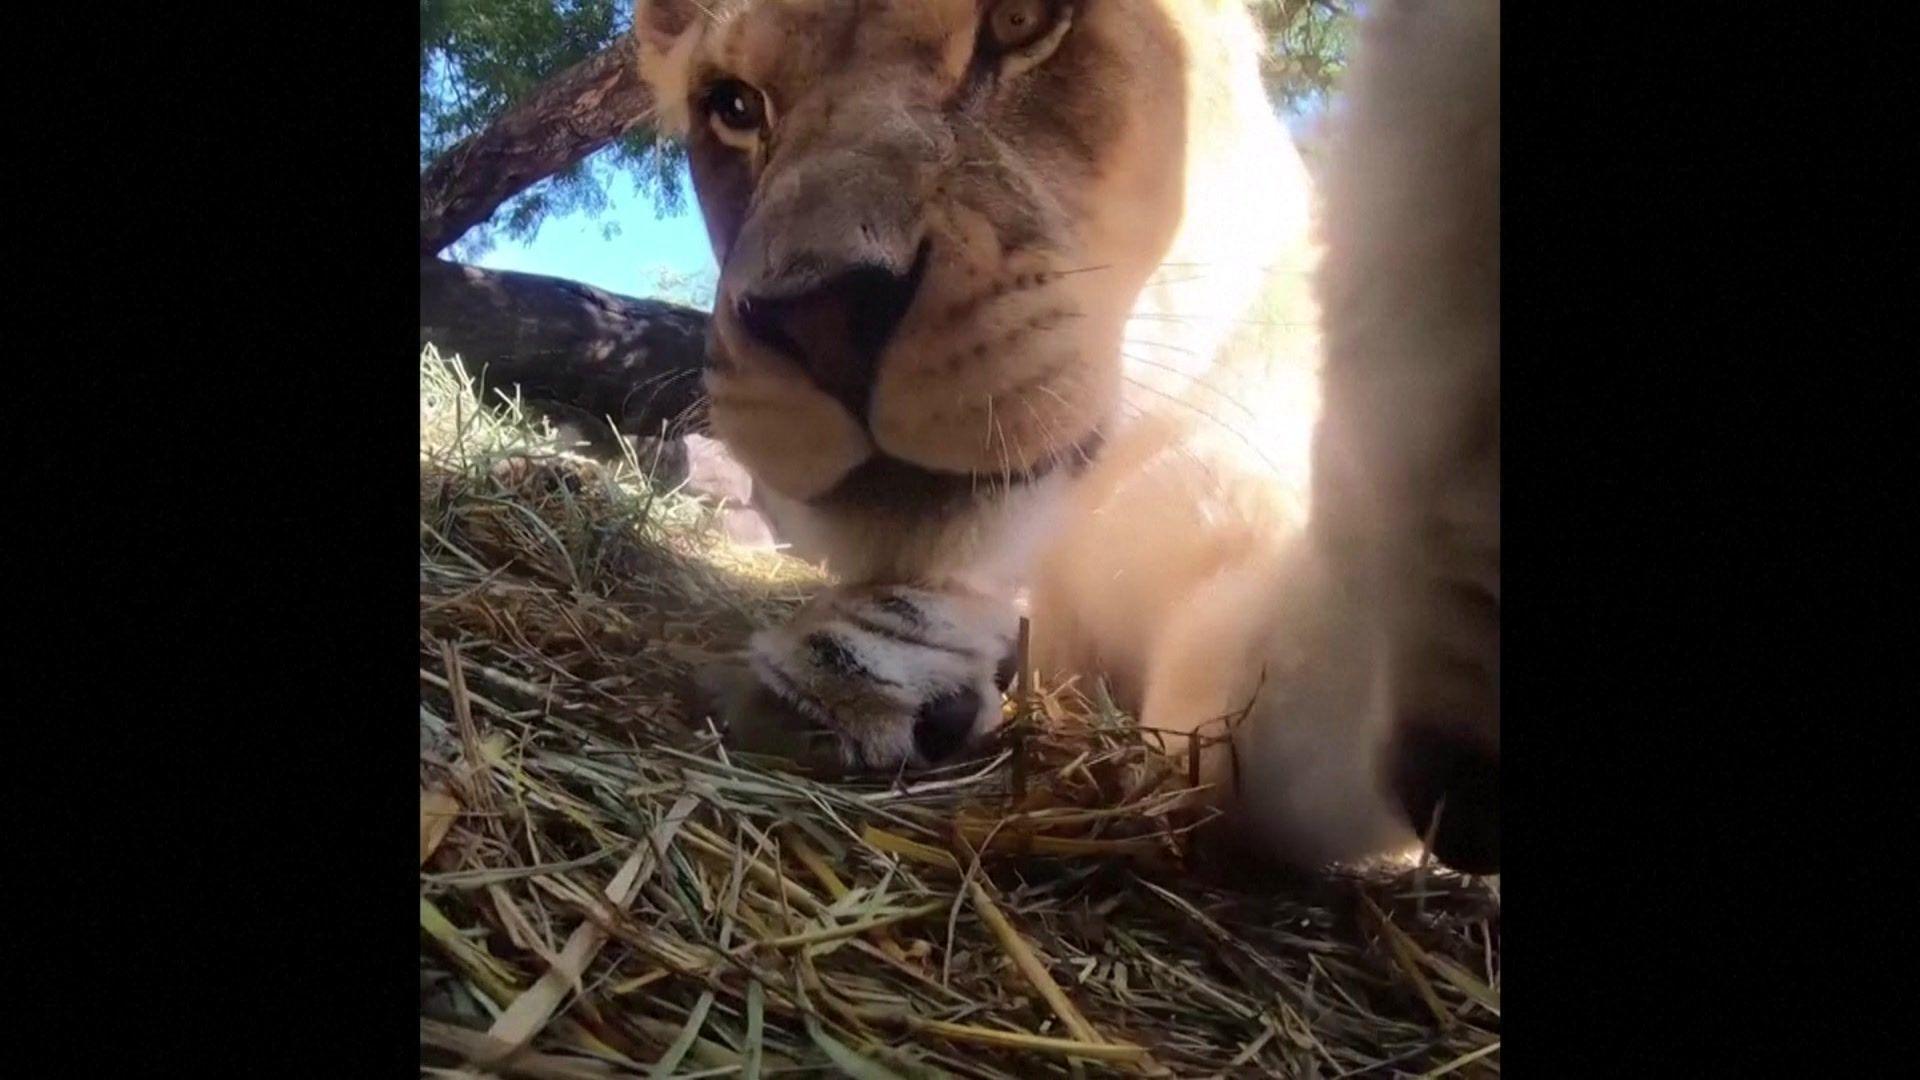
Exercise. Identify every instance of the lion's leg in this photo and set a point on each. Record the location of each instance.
(1407, 480)
(1264, 654)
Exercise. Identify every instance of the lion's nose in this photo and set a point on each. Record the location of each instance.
(836, 330)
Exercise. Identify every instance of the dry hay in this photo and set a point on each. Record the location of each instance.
(605, 891)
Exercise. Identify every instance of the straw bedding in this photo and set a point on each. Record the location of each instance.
(605, 890)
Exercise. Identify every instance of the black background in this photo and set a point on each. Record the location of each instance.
(213, 342)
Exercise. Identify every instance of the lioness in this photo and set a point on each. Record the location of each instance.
(1024, 306)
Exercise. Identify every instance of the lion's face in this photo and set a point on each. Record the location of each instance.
(932, 219)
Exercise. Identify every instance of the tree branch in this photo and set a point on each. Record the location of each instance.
(571, 115)
(635, 362)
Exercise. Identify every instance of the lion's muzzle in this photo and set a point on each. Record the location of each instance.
(836, 331)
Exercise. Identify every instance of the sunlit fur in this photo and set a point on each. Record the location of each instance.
(1117, 350)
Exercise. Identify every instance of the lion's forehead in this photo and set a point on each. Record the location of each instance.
(784, 42)
(877, 21)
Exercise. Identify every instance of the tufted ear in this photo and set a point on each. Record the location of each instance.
(668, 32)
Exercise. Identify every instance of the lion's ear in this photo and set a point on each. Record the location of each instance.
(667, 32)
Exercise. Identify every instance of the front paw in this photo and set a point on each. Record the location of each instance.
(875, 678)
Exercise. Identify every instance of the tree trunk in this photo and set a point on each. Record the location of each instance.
(580, 355)
(570, 116)
(636, 362)
(557, 342)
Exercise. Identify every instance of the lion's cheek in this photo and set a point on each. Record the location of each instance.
(989, 413)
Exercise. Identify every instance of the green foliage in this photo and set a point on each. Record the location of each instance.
(479, 58)
(1307, 45)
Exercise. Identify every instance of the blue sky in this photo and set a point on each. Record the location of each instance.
(572, 245)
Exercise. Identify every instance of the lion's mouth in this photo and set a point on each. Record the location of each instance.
(886, 482)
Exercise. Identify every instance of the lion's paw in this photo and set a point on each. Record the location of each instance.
(875, 678)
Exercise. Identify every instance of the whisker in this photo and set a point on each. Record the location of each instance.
(1006, 457)
(1222, 424)
(1085, 458)
(996, 432)
(1195, 379)
(1019, 452)
(1161, 345)
(1208, 476)
(1048, 434)
(1161, 317)
(1265, 268)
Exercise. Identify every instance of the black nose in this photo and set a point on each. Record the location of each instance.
(1430, 765)
(837, 330)
(944, 725)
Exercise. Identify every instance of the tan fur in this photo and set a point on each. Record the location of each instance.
(1121, 260)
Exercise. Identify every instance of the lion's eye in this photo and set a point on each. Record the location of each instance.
(737, 105)
(1016, 24)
